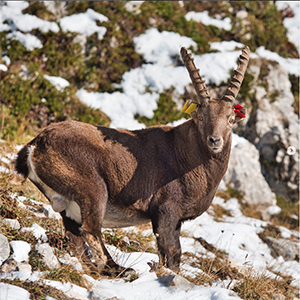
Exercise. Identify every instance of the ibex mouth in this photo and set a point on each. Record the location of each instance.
(215, 144)
(215, 150)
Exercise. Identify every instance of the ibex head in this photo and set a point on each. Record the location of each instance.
(215, 117)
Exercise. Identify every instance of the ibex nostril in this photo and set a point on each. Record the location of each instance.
(214, 140)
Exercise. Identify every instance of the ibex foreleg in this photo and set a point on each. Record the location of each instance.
(166, 228)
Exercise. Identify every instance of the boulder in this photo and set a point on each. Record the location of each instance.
(281, 247)
(273, 127)
(12, 223)
(171, 279)
(49, 259)
(21, 250)
(244, 174)
(4, 249)
(9, 291)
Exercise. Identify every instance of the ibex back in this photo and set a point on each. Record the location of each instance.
(100, 177)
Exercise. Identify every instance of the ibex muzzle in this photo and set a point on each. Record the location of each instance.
(98, 176)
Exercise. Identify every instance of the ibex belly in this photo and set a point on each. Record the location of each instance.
(117, 217)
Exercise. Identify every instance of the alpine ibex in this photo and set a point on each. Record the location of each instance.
(101, 177)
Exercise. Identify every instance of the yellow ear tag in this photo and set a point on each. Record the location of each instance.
(185, 106)
(191, 108)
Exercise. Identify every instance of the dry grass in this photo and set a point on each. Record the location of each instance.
(246, 282)
(67, 274)
(219, 212)
(37, 289)
(261, 286)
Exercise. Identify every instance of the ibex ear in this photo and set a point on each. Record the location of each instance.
(240, 113)
(189, 107)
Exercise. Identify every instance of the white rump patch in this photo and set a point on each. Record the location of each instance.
(73, 212)
(58, 202)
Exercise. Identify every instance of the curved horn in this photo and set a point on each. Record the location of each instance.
(238, 76)
(198, 82)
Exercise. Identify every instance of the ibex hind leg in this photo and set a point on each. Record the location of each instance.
(76, 243)
(90, 231)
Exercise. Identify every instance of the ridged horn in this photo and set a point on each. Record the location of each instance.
(197, 80)
(238, 76)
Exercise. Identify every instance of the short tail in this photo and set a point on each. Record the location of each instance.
(21, 165)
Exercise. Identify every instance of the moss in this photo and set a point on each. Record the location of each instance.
(37, 8)
(166, 111)
(230, 193)
(273, 96)
(264, 27)
(289, 215)
(35, 260)
(25, 99)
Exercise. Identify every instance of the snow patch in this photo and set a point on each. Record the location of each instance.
(84, 23)
(59, 82)
(206, 20)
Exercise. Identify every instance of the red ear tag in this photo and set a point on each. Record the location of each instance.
(238, 111)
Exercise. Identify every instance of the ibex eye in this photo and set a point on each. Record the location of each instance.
(200, 118)
(231, 121)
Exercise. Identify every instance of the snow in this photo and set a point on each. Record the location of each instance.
(226, 46)
(59, 82)
(29, 41)
(38, 232)
(3, 67)
(12, 12)
(204, 18)
(6, 60)
(292, 24)
(84, 23)
(274, 210)
(160, 47)
(148, 287)
(292, 65)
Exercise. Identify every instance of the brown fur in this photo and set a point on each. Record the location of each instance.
(162, 174)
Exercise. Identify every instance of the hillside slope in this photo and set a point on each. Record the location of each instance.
(117, 64)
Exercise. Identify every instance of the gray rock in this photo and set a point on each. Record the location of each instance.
(58, 8)
(273, 127)
(10, 265)
(21, 250)
(244, 174)
(4, 249)
(172, 279)
(12, 223)
(9, 291)
(49, 258)
(281, 247)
